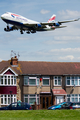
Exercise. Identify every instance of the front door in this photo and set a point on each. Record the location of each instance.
(45, 102)
(59, 99)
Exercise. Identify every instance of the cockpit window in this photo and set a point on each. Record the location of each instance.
(7, 12)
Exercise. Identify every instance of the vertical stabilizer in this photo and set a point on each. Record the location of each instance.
(52, 19)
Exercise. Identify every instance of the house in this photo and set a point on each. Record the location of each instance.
(40, 83)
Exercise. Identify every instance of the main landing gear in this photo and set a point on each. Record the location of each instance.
(28, 32)
(21, 31)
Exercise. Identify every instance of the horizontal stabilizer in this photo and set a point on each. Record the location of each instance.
(55, 27)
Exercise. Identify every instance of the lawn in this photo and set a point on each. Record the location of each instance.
(40, 115)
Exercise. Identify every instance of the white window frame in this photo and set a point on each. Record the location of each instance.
(29, 78)
(78, 79)
(26, 78)
(46, 78)
(57, 80)
(73, 96)
(7, 77)
(10, 97)
(33, 78)
(36, 96)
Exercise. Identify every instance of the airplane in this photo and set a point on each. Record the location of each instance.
(24, 24)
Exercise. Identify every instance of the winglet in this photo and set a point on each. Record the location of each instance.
(52, 18)
(77, 19)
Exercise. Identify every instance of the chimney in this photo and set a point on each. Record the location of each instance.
(14, 61)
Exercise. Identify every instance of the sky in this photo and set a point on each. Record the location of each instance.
(60, 45)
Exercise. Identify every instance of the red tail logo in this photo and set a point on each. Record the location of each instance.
(52, 18)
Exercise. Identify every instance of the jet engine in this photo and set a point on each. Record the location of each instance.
(56, 24)
(38, 25)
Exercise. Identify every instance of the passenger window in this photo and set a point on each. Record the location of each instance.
(14, 105)
(66, 105)
(23, 104)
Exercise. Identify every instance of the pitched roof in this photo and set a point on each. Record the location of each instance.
(42, 68)
(50, 68)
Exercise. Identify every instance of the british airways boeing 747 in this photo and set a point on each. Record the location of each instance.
(30, 26)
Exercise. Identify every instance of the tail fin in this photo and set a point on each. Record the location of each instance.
(52, 18)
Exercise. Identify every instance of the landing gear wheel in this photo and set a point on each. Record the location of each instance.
(28, 32)
(7, 27)
(21, 32)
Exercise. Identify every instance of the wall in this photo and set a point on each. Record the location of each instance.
(73, 90)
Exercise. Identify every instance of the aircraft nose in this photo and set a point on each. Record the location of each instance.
(2, 16)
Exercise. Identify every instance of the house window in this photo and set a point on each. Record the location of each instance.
(73, 98)
(73, 80)
(57, 80)
(7, 80)
(25, 80)
(31, 81)
(31, 99)
(7, 99)
(26, 98)
(37, 81)
(46, 81)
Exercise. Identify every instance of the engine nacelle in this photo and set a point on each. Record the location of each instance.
(8, 29)
(38, 25)
(56, 24)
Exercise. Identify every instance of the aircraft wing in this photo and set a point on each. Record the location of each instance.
(30, 24)
(49, 23)
(60, 22)
(36, 24)
(42, 23)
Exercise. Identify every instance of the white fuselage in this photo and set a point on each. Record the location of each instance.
(11, 18)
(21, 22)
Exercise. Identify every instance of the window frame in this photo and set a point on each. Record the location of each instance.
(8, 98)
(26, 78)
(46, 78)
(8, 78)
(73, 78)
(28, 96)
(57, 78)
(31, 78)
(73, 96)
